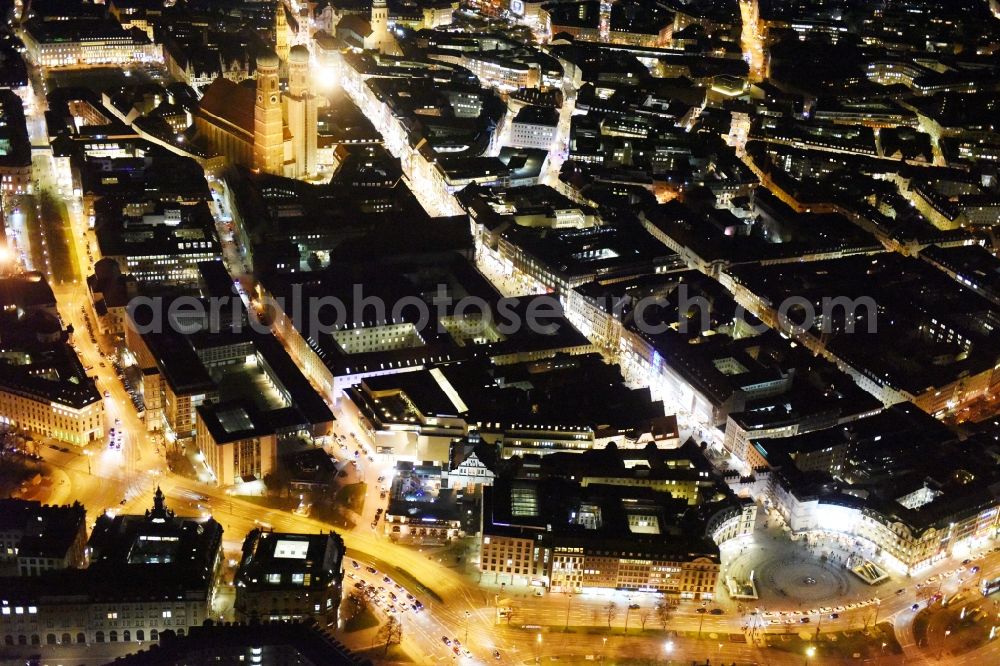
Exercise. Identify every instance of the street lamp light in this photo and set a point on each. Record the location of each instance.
(668, 647)
(878, 605)
(880, 653)
(947, 633)
(810, 653)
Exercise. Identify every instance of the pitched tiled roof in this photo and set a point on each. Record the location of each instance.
(359, 25)
(231, 102)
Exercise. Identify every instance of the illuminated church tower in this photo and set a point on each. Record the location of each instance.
(281, 32)
(300, 110)
(268, 151)
(380, 16)
(380, 39)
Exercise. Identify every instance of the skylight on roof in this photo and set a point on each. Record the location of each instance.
(291, 550)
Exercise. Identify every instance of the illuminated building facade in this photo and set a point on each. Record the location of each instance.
(66, 419)
(239, 443)
(268, 138)
(300, 112)
(96, 42)
(502, 72)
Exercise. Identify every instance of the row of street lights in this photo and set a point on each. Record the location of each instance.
(668, 648)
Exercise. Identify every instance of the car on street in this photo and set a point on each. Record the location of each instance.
(700, 609)
(446, 640)
(716, 611)
(633, 606)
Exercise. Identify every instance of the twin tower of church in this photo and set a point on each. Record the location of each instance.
(284, 135)
(284, 123)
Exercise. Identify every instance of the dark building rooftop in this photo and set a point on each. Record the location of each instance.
(46, 531)
(26, 291)
(39, 363)
(155, 556)
(156, 551)
(904, 341)
(537, 115)
(555, 510)
(278, 560)
(15, 148)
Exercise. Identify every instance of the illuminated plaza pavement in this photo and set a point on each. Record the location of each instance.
(789, 574)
